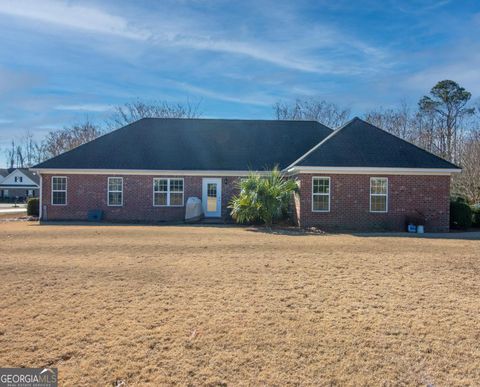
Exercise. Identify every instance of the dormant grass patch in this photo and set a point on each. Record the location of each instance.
(227, 306)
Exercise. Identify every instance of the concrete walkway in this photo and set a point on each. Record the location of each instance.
(17, 210)
(9, 208)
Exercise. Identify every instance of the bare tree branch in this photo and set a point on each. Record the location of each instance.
(134, 111)
(325, 112)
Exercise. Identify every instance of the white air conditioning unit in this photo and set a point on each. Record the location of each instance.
(193, 210)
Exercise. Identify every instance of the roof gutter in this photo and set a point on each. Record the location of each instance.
(76, 171)
(373, 170)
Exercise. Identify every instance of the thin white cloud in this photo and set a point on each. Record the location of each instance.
(463, 69)
(256, 99)
(72, 16)
(419, 7)
(272, 55)
(14, 81)
(294, 50)
(88, 107)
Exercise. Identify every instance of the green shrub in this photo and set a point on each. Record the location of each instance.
(460, 214)
(33, 207)
(459, 199)
(262, 198)
(476, 217)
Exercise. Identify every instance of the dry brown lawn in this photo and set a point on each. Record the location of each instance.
(185, 305)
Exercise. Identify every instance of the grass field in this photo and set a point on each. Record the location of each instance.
(231, 306)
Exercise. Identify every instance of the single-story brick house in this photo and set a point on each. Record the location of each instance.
(355, 177)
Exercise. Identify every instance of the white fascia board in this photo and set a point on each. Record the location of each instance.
(375, 170)
(142, 172)
(19, 187)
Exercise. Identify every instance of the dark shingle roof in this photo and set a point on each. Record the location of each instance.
(31, 175)
(360, 144)
(4, 172)
(195, 144)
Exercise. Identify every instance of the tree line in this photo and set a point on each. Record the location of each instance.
(444, 122)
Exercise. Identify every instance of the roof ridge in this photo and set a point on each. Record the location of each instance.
(225, 119)
(349, 122)
(335, 131)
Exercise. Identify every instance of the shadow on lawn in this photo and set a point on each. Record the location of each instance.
(294, 231)
(473, 234)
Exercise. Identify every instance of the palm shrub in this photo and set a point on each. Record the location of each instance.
(262, 198)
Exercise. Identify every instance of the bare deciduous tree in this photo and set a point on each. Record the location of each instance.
(23, 152)
(11, 155)
(467, 183)
(399, 121)
(59, 141)
(134, 111)
(325, 112)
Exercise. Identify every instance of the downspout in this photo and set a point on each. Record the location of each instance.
(40, 200)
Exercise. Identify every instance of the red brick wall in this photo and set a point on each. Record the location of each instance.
(87, 192)
(349, 207)
(350, 202)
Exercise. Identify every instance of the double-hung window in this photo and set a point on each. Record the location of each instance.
(378, 194)
(115, 191)
(320, 194)
(167, 192)
(59, 190)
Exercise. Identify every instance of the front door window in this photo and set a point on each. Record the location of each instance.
(212, 197)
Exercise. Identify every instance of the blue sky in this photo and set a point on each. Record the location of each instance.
(61, 62)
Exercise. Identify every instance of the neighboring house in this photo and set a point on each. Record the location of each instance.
(356, 177)
(18, 184)
(3, 174)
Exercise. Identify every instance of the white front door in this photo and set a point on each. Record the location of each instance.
(212, 197)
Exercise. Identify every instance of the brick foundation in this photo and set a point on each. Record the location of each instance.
(350, 202)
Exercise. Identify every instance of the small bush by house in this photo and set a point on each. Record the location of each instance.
(460, 214)
(33, 207)
(475, 216)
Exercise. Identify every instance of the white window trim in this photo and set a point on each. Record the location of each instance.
(66, 190)
(108, 192)
(322, 194)
(385, 194)
(168, 192)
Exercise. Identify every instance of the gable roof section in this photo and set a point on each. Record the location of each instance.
(30, 179)
(195, 144)
(31, 175)
(360, 144)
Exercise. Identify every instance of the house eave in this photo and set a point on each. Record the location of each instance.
(372, 170)
(149, 172)
(19, 186)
